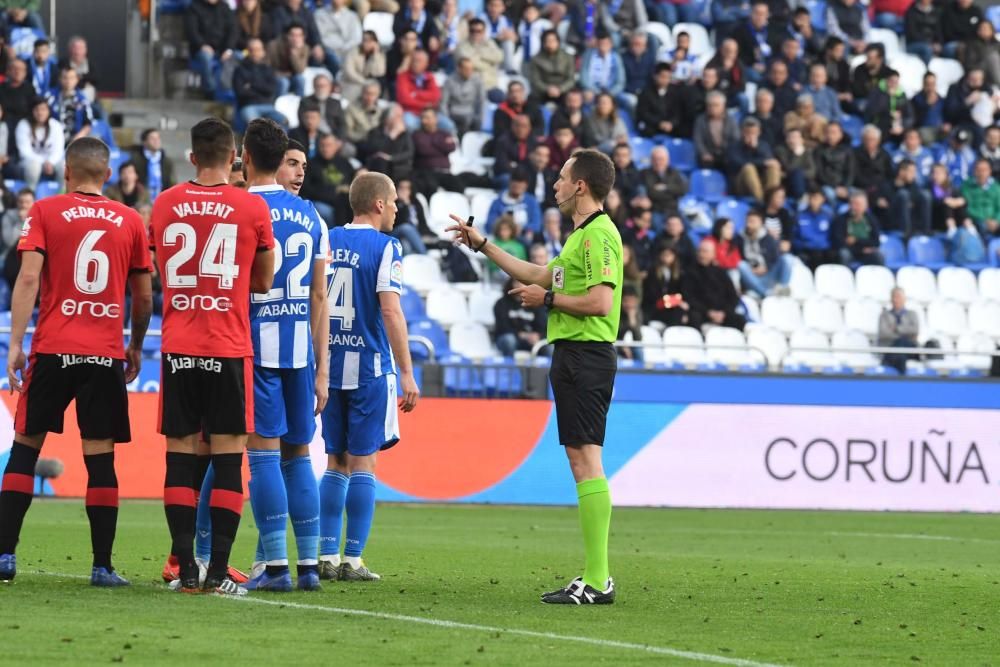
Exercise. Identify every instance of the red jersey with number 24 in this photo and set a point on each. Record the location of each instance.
(91, 245)
(206, 239)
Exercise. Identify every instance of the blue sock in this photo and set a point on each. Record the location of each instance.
(360, 512)
(270, 504)
(303, 507)
(332, 495)
(203, 521)
(258, 555)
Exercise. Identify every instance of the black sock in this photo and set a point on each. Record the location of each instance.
(226, 507)
(302, 569)
(102, 505)
(200, 469)
(179, 502)
(16, 492)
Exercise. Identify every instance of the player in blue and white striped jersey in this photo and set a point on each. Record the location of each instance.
(289, 327)
(368, 350)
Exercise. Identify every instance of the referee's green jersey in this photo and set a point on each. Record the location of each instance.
(592, 255)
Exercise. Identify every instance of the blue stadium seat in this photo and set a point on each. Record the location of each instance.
(927, 251)
(817, 14)
(893, 251)
(881, 370)
(413, 305)
(151, 344)
(4, 295)
(993, 15)
(14, 185)
(682, 154)
(708, 184)
(641, 148)
(432, 331)
(503, 380)
(734, 209)
(464, 381)
(118, 158)
(47, 189)
(101, 130)
(546, 116)
(172, 6)
(627, 120)
(993, 253)
(852, 128)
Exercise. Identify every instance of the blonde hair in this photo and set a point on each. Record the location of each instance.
(367, 189)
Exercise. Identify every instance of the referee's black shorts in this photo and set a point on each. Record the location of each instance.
(582, 377)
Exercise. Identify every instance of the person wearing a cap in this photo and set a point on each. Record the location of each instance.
(751, 162)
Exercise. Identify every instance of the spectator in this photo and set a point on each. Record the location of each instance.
(42, 68)
(552, 71)
(802, 31)
(517, 327)
(714, 132)
(551, 238)
(632, 275)
(838, 72)
(415, 17)
(211, 33)
(751, 164)
(982, 197)
(959, 157)
(779, 220)
(543, 177)
(398, 59)
(16, 93)
(41, 143)
(630, 321)
(515, 104)
(128, 190)
(623, 19)
(308, 132)
(910, 206)
(517, 204)
(663, 289)
(848, 20)
(965, 246)
(872, 164)
(22, 14)
(959, 21)
(797, 164)
(432, 147)
(6, 152)
(947, 203)
(603, 127)
(289, 56)
(924, 30)
(727, 245)
(663, 184)
(505, 237)
(805, 119)
(659, 108)
(417, 89)
(928, 111)
(570, 114)
(764, 269)
(732, 79)
(410, 220)
(331, 111)
(76, 59)
(252, 21)
(561, 144)
(710, 293)
(680, 57)
(824, 98)
(639, 60)
(889, 13)
(363, 115)
(462, 97)
(771, 125)
(628, 181)
(911, 149)
(791, 55)
(529, 31)
(70, 106)
(812, 233)
(888, 109)
(989, 150)
(754, 39)
(674, 234)
(602, 69)
(869, 75)
(339, 28)
(502, 30)
(513, 149)
(255, 84)
(785, 94)
(485, 54)
(898, 327)
(11, 225)
(855, 234)
(154, 168)
(328, 180)
(539, 255)
(983, 51)
(388, 148)
(834, 164)
(696, 100)
(292, 12)
(363, 64)
(454, 30)
(727, 15)
(639, 235)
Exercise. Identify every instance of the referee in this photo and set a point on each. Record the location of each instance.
(582, 288)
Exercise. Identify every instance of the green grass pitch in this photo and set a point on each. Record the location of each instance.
(461, 586)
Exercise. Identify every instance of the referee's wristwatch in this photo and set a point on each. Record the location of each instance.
(549, 299)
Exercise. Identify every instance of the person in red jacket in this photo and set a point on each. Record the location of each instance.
(416, 90)
(728, 252)
(889, 13)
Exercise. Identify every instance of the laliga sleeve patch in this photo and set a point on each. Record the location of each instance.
(396, 273)
(559, 277)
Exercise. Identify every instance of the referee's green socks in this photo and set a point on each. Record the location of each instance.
(595, 520)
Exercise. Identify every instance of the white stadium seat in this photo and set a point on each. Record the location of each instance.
(652, 345)
(822, 313)
(441, 205)
(911, 72)
(958, 283)
(752, 306)
(811, 348)
(975, 342)
(447, 305)
(875, 282)
(948, 71)
(472, 150)
(801, 282)
(728, 346)
(470, 339)
(700, 42)
(851, 339)
(422, 272)
(661, 32)
(481, 303)
(989, 283)
(769, 341)
(862, 315)
(288, 106)
(480, 207)
(918, 283)
(946, 316)
(679, 342)
(834, 280)
(381, 24)
(887, 38)
(984, 317)
(309, 75)
(781, 313)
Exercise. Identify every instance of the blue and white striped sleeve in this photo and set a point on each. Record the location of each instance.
(390, 270)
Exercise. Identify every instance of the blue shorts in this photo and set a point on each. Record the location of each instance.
(362, 421)
(283, 403)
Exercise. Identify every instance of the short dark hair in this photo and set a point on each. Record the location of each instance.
(293, 25)
(266, 142)
(294, 145)
(145, 133)
(663, 67)
(212, 142)
(40, 42)
(548, 32)
(596, 170)
(520, 174)
(125, 165)
(88, 157)
(479, 22)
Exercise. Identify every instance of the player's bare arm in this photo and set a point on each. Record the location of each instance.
(320, 327)
(596, 302)
(21, 306)
(141, 287)
(262, 274)
(395, 328)
(525, 272)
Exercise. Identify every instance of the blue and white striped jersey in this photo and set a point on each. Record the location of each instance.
(365, 262)
(279, 320)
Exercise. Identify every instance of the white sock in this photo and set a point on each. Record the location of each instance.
(307, 561)
(334, 558)
(353, 561)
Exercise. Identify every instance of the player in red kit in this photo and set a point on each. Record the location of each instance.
(81, 249)
(214, 245)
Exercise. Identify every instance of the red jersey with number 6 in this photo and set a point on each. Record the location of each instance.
(206, 238)
(91, 245)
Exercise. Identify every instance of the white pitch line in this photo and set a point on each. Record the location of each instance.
(455, 625)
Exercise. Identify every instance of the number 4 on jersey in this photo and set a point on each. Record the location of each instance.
(340, 297)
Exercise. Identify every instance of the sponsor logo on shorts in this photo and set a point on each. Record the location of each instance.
(72, 308)
(204, 302)
(179, 363)
(77, 359)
